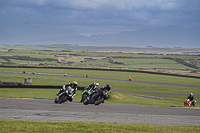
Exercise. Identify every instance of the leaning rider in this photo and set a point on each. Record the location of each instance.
(108, 87)
(73, 85)
(91, 88)
(191, 97)
(95, 89)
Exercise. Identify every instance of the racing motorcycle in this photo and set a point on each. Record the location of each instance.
(187, 102)
(64, 95)
(96, 98)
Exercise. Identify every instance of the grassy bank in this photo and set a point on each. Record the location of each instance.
(87, 127)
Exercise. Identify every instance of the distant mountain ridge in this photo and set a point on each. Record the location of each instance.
(170, 36)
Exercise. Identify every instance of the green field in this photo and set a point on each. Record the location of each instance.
(127, 98)
(116, 97)
(29, 56)
(35, 62)
(87, 127)
(107, 74)
(135, 63)
(98, 59)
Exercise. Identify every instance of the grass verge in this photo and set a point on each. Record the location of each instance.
(87, 127)
(125, 98)
(116, 97)
(109, 74)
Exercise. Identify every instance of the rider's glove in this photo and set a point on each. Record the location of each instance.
(64, 87)
(73, 95)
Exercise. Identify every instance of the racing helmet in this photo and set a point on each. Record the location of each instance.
(97, 84)
(75, 83)
(108, 87)
(191, 94)
(94, 84)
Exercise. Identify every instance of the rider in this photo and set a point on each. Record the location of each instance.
(91, 88)
(97, 88)
(73, 85)
(108, 87)
(191, 97)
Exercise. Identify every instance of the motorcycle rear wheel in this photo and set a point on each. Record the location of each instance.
(98, 100)
(56, 100)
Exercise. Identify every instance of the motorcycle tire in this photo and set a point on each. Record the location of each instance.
(98, 100)
(62, 99)
(56, 100)
(84, 99)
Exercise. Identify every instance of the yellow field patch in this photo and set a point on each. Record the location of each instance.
(70, 58)
(3, 50)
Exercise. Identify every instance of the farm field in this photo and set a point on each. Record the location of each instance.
(168, 63)
(130, 92)
(78, 48)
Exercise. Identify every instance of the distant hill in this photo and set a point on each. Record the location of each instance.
(170, 36)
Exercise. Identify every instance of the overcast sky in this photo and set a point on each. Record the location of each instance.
(100, 16)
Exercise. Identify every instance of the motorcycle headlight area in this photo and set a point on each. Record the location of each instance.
(106, 93)
(89, 92)
(69, 91)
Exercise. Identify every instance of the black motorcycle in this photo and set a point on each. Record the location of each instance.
(95, 98)
(64, 95)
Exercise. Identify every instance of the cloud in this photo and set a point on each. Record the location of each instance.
(107, 13)
(103, 4)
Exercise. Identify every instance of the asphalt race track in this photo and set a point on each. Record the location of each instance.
(47, 110)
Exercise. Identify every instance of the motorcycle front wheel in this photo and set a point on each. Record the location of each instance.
(56, 100)
(62, 99)
(84, 99)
